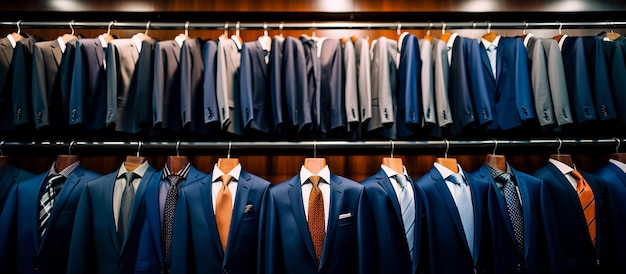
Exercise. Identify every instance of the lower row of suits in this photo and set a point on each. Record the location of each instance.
(364, 226)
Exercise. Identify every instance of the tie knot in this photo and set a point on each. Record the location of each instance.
(457, 179)
(130, 176)
(401, 179)
(576, 175)
(56, 179)
(226, 179)
(174, 179)
(505, 177)
(315, 180)
(491, 47)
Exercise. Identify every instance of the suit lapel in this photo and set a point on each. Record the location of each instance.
(55, 48)
(446, 196)
(7, 50)
(499, 58)
(32, 193)
(107, 197)
(501, 202)
(571, 193)
(153, 215)
(384, 181)
(486, 64)
(618, 173)
(175, 50)
(524, 193)
(260, 57)
(243, 188)
(297, 207)
(138, 201)
(476, 202)
(207, 199)
(336, 201)
(99, 51)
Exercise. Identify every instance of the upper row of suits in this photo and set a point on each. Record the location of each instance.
(310, 86)
(371, 227)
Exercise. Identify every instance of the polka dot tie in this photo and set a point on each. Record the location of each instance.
(514, 208)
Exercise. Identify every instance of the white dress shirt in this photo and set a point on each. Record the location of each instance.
(451, 46)
(324, 186)
(396, 186)
(217, 183)
(562, 41)
(454, 188)
(492, 53)
(527, 39)
(565, 169)
(61, 44)
(13, 42)
(120, 184)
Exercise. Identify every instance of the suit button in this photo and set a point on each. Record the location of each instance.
(209, 112)
(412, 115)
(598, 262)
(475, 270)
(223, 112)
(518, 268)
(39, 114)
(121, 263)
(353, 114)
(485, 114)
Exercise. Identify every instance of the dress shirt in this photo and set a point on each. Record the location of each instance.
(527, 39)
(495, 173)
(217, 183)
(324, 186)
(319, 42)
(492, 52)
(137, 42)
(566, 170)
(454, 188)
(102, 41)
(61, 44)
(451, 45)
(13, 42)
(562, 41)
(396, 186)
(620, 165)
(120, 185)
(165, 185)
(65, 172)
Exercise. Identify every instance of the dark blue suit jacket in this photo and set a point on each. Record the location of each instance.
(383, 231)
(191, 89)
(150, 253)
(409, 91)
(22, 75)
(295, 84)
(615, 60)
(616, 180)
(577, 79)
(209, 57)
(445, 248)
(277, 87)
(21, 249)
(287, 245)
(568, 243)
(144, 79)
(510, 89)
(95, 246)
(89, 85)
(599, 78)
(254, 85)
(506, 257)
(9, 176)
(197, 243)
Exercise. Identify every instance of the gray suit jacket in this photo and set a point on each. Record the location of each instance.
(384, 52)
(227, 89)
(539, 78)
(441, 74)
(558, 86)
(428, 88)
(350, 85)
(191, 86)
(121, 57)
(332, 115)
(364, 78)
(166, 93)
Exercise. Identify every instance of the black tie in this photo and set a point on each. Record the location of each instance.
(126, 205)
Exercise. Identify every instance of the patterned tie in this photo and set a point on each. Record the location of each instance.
(168, 220)
(407, 208)
(46, 202)
(588, 203)
(465, 207)
(316, 217)
(491, 51)
(224, 210)
(126, 205)
(514, 208)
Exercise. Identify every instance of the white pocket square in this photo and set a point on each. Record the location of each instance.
(345, 215)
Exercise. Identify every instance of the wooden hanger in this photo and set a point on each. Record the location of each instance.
(428, 37)
(314, 165)
(225, 35)
(132, 162)
(496, 161)
(490, 35)
(560, 35)
(107, 37)
(237, 37)
(227, 164)
(394, 163)
(449, 163)
(563, 158)
(64, 161)
(265, 39)
(612, 35)
(445, 36)
(617, 155)
(69, 36)
(176, 163)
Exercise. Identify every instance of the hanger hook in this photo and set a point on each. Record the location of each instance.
(19, 26)
(139, 147)
(445, 155)
(71, 23)
(430, 26)
(525, 27)
(226, 29)
(187, 29)
(488, 27)
(237, 29)
(230, 146)
(178, 148)
(443, 28)
(265, 33)
(69, 149)
(560, 28)
(147, 27)
(618, 140)
(399, 29)
(495, 146)
(558, 149)
(280, 27)
(1, 146)
(393, 147)
(109, 27)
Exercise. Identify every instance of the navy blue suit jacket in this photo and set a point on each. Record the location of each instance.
(209, 57)
(616, 179)
(21, 89)
(197, 243)
(383, 231)
(615, 60)
(277, 86)
(599, 77)
(409, 91)
(150, 257)
(95, 246)
(567, 238)
(89, 85)
(144, 79)
(254, 85)
(21, 249)
(506, 256)
(191, 89)
(577, 79)
(443, 237)
(295, 84)
(287, 244)
(9, 176)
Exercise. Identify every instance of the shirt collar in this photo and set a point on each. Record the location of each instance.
(495, 173)
(495, 42)
(217, 173)
(401, 39)
(619, 164)
(137, 42)
(565, 169)
(13, 42)
(453, 37)
(180, 39)
(390, 172)
(319, 42)
(102, 41)
(445, 172)
(66, 171)
(236, 40)
(182, 173)
(61, 44)
(527, 39)
(305, 174)
(140, 170)
(562, 41)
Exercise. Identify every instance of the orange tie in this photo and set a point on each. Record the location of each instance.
(588, 203)
(224, 210)
(316, 217)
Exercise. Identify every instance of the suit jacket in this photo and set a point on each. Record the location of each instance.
(298, 103)
(227, 89)
(577, 78)
(166, 96)
(332, 113)
(558, 83)
(254, 85)
(614, 57)
(537, 59)
(616, 184)
(95, 247)
(280, 112)
(150, 253)
(209, 57)
(287, 246)
(197, 242)
(21, 89)
(6, 80)
(89, 85)
(350, 85)
(441, 76)
(510, 88)
(567, 237)
(21, 249)
(313, 78)
(409, 90)
(384, 84)
(506, 256)
(383, 230)
(443, 237)
(364, 78)
(121, 60)
(191, 86)
(9, 176)
(427, 82)
(142, 84)
(599, 78)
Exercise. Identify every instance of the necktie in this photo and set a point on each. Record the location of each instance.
(407, 208)
(46, 202)
(491, 52)
(514, 208)
(466, 209)
(168, 220)
(587, 201)
(316, 217)
(224, 210)
(126, 205)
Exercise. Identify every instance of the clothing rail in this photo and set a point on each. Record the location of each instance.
(315, 25)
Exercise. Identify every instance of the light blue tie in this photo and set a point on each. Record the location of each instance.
(464, 206)
(491, 52)
(407, 208)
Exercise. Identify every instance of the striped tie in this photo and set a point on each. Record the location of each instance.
(407, 208)
(47, 201)
(465, 207)
(588, 203)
